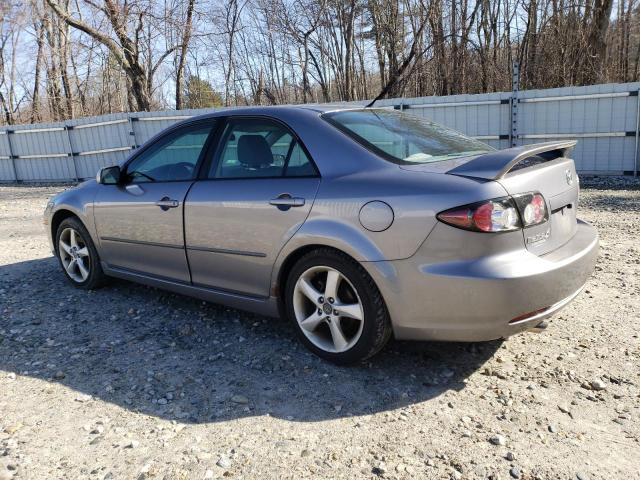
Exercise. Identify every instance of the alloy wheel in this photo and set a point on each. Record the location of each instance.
(328, 309)
(74, 255)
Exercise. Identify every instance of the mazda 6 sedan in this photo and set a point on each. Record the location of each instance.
(354, 224)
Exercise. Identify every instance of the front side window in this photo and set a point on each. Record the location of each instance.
(403, 138)
(260, 148)
(171, 159)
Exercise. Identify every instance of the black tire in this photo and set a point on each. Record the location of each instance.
(96, 277)
(376, 330)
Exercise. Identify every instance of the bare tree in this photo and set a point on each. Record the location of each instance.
(11, 29)
(125, 46)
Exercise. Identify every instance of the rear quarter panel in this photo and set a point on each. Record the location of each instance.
(415, 198)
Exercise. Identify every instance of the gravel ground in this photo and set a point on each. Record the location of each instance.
(132, 382)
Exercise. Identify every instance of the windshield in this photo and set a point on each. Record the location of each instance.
(403, 138)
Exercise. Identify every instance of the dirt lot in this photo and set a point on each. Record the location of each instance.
(131, 382)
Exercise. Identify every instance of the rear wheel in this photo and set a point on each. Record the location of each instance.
(78, 255)
(336, 307)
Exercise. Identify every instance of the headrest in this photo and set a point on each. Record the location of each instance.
(254, 151)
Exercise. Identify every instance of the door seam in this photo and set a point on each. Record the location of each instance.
(275, 259)
(184, 230)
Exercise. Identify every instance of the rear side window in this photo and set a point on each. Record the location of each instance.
(403, 138)
(254, 148)
(299, 164)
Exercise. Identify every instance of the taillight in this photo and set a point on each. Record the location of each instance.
(533, 208)
(498, 215)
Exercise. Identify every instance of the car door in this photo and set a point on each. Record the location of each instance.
(257, 192)
(140, 221)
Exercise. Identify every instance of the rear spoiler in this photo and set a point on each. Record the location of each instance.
(495, 165)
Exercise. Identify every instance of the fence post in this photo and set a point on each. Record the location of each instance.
(635, 155)
(11, 155)
(515, 87)
(132, 131)
(68, 129)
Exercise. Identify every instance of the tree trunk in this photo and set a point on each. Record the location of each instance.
(597, 41)
(186, 38)
(35, 97)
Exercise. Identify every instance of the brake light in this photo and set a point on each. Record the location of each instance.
(499, 215)
(533, 209)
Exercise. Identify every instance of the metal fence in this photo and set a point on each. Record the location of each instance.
(604, 119)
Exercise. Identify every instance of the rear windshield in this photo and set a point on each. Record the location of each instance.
(403, 138)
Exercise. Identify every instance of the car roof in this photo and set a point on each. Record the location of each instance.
(277, 111)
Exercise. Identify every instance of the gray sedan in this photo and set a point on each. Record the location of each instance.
(355, 224)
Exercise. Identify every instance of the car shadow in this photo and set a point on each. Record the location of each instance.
(182, 359)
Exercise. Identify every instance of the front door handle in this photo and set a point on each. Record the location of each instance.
(286, 201)
(166, 203)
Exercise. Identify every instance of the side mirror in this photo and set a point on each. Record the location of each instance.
(109, 175)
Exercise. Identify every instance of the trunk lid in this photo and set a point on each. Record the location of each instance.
(542, 168)
(558, 183)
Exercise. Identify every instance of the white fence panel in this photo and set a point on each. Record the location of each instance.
(603, 118)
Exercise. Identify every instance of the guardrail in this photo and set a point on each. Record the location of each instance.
(604, 118)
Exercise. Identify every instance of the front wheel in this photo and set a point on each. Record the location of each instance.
(78, 255)
(336, 308)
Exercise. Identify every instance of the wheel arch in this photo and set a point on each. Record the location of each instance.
(287, 263)
(291, 260)
(58, 217)
(322, 233)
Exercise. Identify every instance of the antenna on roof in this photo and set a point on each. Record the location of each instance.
(370, 104)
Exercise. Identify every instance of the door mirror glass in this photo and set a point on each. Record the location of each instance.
(109, 175)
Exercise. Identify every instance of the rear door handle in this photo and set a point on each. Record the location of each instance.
(286, 201)
(166, 203)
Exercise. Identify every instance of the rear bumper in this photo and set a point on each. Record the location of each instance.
(477, 299)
